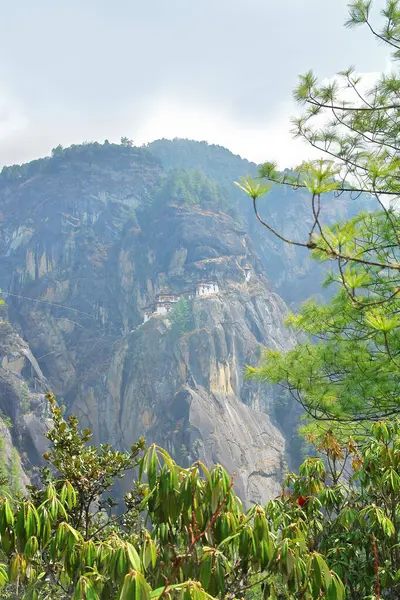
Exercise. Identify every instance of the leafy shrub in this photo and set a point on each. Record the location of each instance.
(67, 540)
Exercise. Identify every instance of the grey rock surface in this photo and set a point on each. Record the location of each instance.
(23, 406)
(82, 255)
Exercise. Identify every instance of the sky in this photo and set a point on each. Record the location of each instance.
(216, 70)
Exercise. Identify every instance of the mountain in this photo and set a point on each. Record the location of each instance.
(90, 238)
(138, 286)
(291, 271)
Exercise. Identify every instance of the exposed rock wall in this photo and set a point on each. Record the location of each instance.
(23, 416)
(291, 270)
(80, 263)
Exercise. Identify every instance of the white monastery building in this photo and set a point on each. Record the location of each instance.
(206, 288)
(166, 299)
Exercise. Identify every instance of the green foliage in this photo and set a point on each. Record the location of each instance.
(326, 536)
(183, 452)
(90, 470)
(126, 142)
(94, 161)
(25, 401)
(352, 370)
(199, 544)
(215, 163)
(252, 188)
(352, 519)
(6, 420)
(10, 471)
(181, 317)
(192, 189)
(349, 373)
(58, 151)
(4, 475)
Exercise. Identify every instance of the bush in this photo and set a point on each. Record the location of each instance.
(67, 540)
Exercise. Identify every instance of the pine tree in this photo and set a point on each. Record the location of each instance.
(353, 373)
(179, 317)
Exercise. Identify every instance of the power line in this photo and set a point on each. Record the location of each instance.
(76, 310)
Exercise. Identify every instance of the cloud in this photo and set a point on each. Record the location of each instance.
(269, 139)
(12, 117)
(217, 70)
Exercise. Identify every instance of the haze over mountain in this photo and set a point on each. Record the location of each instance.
(98, 243)
(220, 71)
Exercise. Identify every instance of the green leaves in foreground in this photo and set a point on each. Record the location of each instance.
(201, 543)
(350, 369)
(252, 188)
(314, 541)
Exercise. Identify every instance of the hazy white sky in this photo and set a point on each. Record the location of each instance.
(215, 70)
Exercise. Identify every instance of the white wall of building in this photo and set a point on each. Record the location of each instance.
(163, 298)
(163, 304)
(162, 309)
(205, 289)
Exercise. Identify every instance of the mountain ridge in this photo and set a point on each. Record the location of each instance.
(91, 236)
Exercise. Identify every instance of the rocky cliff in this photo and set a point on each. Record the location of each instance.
(85, 249)
(23, 409)
(291, 271)
(188, 393)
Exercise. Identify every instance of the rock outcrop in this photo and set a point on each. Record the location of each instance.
(23, 407)
(83, 253)
(189, 393)
(293, 274)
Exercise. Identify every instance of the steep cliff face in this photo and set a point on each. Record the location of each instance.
(62, 263)
(291, 271)
(188, 393)
(23, 407)
(84, 252)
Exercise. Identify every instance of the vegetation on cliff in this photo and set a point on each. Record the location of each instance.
(83, 157)
(181, 317)
(216, 162)
(10, 470)
(191, 188)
